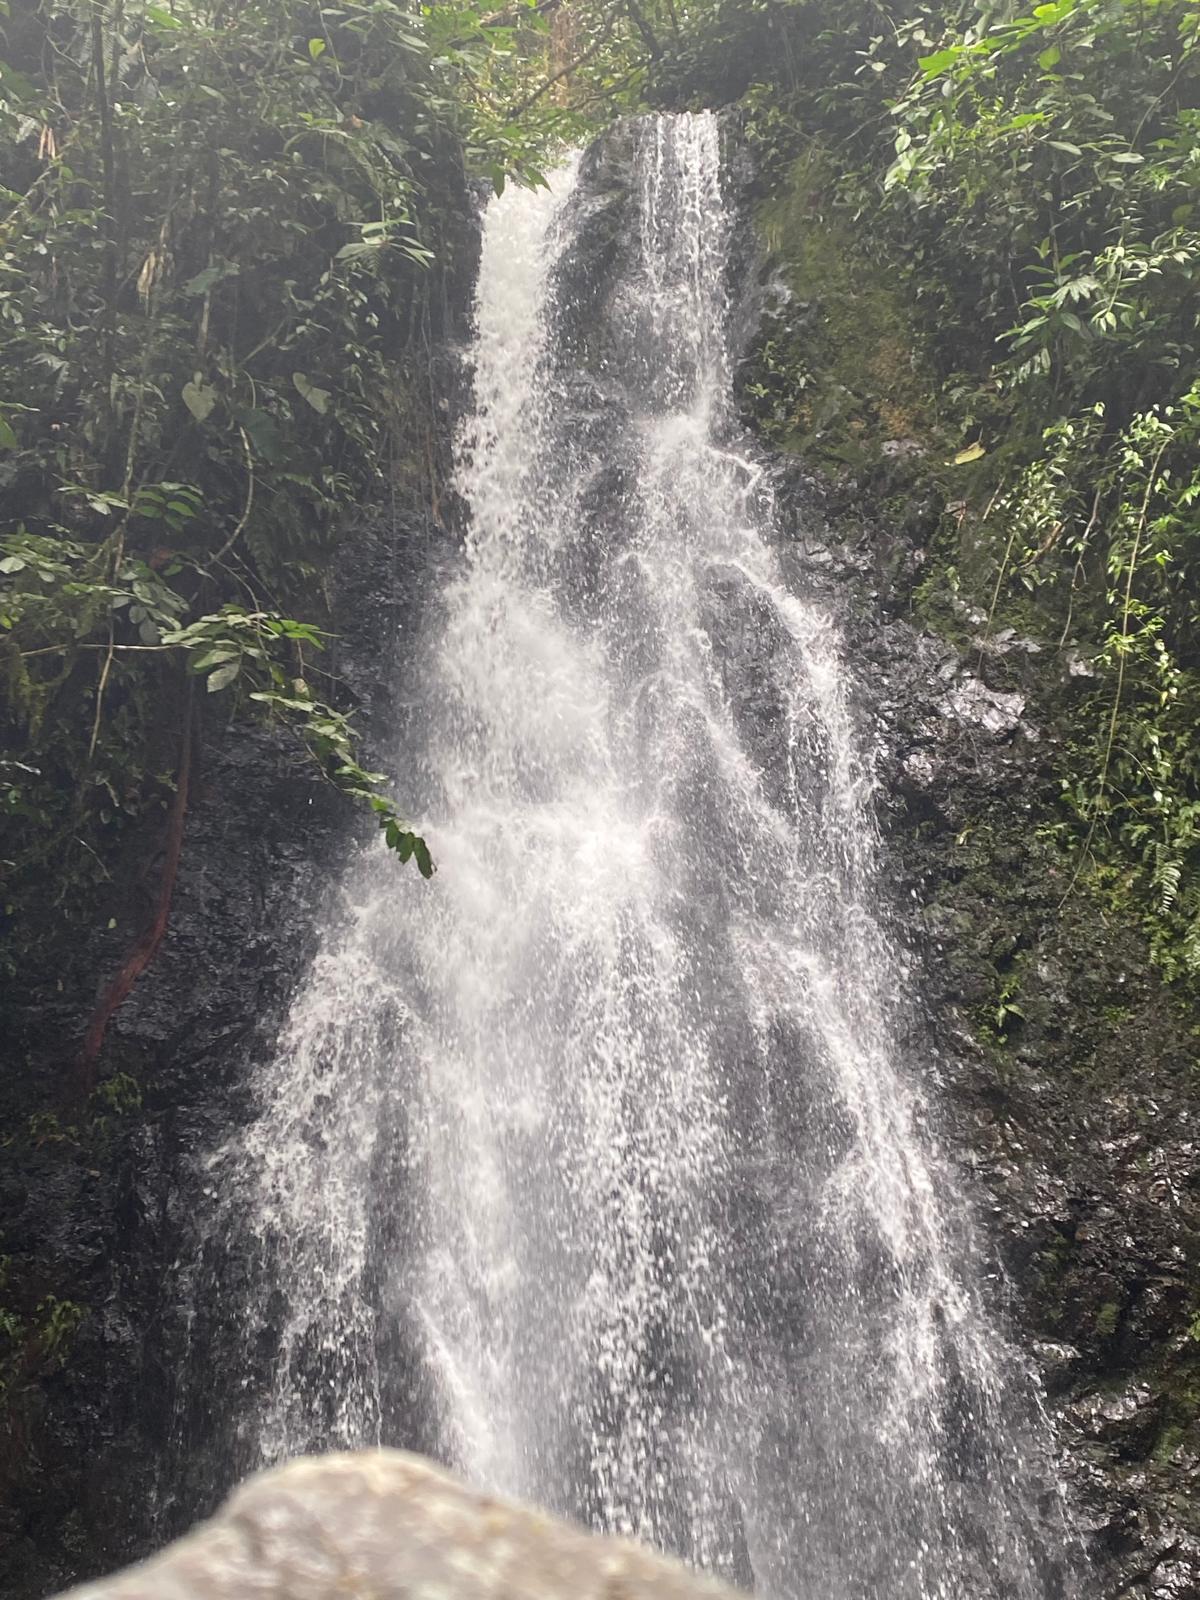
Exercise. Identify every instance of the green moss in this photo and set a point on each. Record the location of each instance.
(1107, 1318)
(1051, 1267)
(843, 368)
(1177, 1378)
(935, 603)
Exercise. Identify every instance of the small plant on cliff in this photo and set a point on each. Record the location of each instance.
(118, 1095)
(35, 1342)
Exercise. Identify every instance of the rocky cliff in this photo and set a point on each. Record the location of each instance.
(1064, 1067)
(97, 1195)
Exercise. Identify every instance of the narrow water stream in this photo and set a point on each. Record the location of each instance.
(605, 1136)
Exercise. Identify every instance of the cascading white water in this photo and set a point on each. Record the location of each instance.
(604, 1135)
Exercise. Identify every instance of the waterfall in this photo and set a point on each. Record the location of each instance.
(596, 1166)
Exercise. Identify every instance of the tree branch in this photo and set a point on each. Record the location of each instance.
(593, 49)
(147, 946)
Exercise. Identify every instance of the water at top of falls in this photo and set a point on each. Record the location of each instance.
(595, 1166)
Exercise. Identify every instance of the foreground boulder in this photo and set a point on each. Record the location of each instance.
(390, 1526)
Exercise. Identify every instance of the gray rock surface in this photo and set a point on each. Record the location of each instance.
(384, 1525)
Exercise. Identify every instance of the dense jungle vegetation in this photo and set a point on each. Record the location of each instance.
(223, 233)
(1029, 178)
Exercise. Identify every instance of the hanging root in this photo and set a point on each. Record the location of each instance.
(146, 948)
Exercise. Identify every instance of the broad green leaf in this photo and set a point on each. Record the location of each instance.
(106, 504)
(422, 857)
(316, 48)
(937, 63)
(8, 439)
(972, 452)
(223, 677)
(1050, 58)
(209, 278)
(263, 433)
(162, 18)
(200, 398)
(213, 658)
(318, 399)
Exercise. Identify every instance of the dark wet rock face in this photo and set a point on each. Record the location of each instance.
(97, 1213)
(97, 1199)
(1062, 1069)
(1070, 1080)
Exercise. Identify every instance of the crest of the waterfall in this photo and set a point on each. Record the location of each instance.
(605, 1135)
(674, 303)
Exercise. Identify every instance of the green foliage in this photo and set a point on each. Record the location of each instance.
(1030, 174)
(242, 651)
(1061, 148)
(46, 1128)
(57, 1322)
(35, 1342)
(118, 1095)
(217, 224)
(214, 250)
(531, 78)
(1107, 1320)
(1141, 788)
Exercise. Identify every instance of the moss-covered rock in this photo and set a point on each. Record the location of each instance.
(838, 371)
